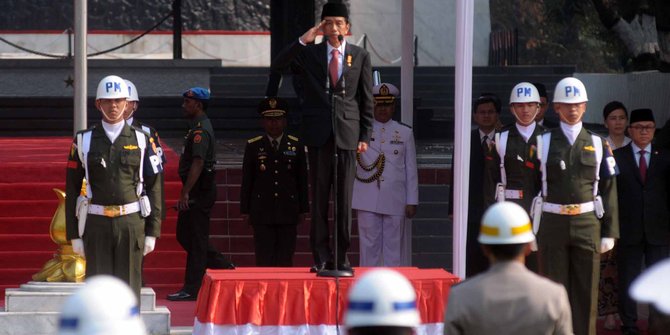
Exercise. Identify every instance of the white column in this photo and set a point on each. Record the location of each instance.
(80, 65)
(462, 111)
(407, 64)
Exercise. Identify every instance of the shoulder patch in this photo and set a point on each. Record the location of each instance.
(293, 138)
(252, 140)
(85, 130)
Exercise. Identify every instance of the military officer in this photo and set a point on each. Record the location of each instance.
(579, 210)
(274, 193)
(514, 177)
(118, 220)
(386, 190)
(197, 196)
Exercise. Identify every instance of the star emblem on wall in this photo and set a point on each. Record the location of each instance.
(69, 82)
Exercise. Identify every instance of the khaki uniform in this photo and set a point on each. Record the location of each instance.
(569, 244)
(114, 245)
(508, 299)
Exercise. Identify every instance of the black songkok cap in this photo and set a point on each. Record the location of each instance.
(541, 89)
(643, 114)
(335, 8)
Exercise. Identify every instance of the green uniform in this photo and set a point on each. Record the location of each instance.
(114, 245)
(521, 168)
(521, 172)
(569, 244)
(193, 223)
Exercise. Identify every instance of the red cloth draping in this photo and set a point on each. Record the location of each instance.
(293, 296)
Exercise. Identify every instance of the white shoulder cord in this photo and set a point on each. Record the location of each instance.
(598, 144)
(543, 152)
(142, 143)
(83, 146)
(501, 147)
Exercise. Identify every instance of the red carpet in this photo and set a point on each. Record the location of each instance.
(31, 168)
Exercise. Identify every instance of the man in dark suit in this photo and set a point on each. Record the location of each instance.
(273, 195)
(644, 215)
(331, 72)
(486, 112)
(540, 118)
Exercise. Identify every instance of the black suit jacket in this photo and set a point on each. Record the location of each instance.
(354, 107)
(644, 209)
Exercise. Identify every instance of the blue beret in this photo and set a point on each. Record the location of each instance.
(197, 93)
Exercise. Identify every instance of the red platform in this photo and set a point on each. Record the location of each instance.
(294, 301)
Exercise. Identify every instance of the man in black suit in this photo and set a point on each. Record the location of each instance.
(273, 195)
(644, 214)
(486, 113)
(540, 118)
(331, 72)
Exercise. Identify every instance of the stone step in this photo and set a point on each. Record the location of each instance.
(49, 297)
(34, 308)
(433, 210)
(434, 193)
(157, 322)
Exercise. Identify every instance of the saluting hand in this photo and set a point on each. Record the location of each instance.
(310, 35)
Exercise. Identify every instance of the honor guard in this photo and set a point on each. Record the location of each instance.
(511, 172)
(576, 217)
(274, 193)
(118, 219)
(197, 196)
(386, 190)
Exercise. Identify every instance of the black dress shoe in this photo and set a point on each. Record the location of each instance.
(317, 267)
(182, 296)
(345, 267)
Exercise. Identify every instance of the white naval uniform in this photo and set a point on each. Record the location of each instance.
(384, 232)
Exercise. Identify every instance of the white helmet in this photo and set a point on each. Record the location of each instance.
(132, 91)
(652, 286)
(506, 223)
(112, 87)
(524, 92)
(382, 297)
(570, 90)
(103, 306)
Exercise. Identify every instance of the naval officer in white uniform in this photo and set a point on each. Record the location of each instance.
(386, 190)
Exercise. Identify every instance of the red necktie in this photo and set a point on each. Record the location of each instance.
(333, 66)
(643, 166)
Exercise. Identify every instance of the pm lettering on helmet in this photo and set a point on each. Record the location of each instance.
(115, 87)
(524, 91)
(572, 90)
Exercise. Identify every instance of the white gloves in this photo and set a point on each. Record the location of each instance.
(606, 244)
(149, 244)
(78, 246)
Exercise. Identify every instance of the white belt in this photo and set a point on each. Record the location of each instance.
(513, 194)
(570, 209)
(115, 210)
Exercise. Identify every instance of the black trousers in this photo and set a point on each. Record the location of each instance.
(275, 244)
(321, 178)
(629, 263)
(193, 236)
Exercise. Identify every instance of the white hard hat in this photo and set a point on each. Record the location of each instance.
(524, 92)
(652, 286)
(103, 306)
(112, 87)
(382, 297)
(570, 90)
(506, 223)
(132, 91)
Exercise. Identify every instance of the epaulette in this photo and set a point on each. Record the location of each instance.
(406, 125)
(505, 127)
(252, 140)
(591, 132)
(87, 129)
(140, 129)
(293, 138)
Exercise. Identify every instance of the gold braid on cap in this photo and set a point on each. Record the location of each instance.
(377, 164)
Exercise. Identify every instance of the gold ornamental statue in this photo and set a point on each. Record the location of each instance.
(66, 265)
